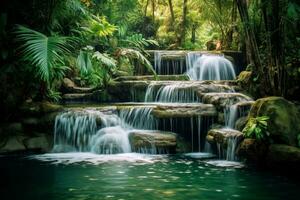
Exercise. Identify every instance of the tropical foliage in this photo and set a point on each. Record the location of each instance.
(256, 128)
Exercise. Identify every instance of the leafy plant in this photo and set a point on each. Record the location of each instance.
(43, 52)
(99, 26)
(138, 41)
(298, 140)
(257, 128)
(135, 55)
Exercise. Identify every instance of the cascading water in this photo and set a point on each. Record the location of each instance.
(139, 117)
(232, 143)
(90, 130)
(211, 67)
(163, 64)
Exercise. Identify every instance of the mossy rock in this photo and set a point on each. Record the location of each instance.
(284, 122)
(40, 108)
(253, 150)
(279, 153)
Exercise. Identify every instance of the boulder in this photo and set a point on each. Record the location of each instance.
(241, 123)
(39, 108)
(222, 100)
(13, 144)
(14, 128)
(41, 143)
(244, 78)
(283, 155)
(184, 110)
(253, 150)
(157, 140)
(284, 122)
(70, 87)
(221, 136)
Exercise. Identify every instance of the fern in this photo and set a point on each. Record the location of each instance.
(105, 59)
(138, 41)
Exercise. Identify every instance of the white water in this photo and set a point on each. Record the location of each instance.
(169, 66)
(232, 143)
(211, 67)
(139, 117)
(171, 93)
(90, 131)
(110, 140)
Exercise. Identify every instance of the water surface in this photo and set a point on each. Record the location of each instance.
(133, 177)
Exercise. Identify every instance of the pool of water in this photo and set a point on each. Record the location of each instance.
(135, 176)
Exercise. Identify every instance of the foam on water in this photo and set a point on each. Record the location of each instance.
(96, 159)
(211, 67)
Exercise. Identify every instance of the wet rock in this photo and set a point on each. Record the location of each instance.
(13, 144)
(39, 108)
(157, 140)
(223, 99)
(241, 123)
(221, 136)
(283, 154)
(152, 78)
(244, 78)
(70, 87)
(284, 122)
(77, 97)
(41, 143)
(253, 150)
(184, 110)
(14, 128)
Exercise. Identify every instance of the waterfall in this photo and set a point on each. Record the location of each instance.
(231, 114)
(110, 140)
(211, 67)
(232, 143)
(169, 62)
(139, 117)
(171, 93)
(77, 130)
(191, 58)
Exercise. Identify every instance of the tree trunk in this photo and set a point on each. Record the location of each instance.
(183, 24)
(193, 38)
(273, 14)
(171, 12)
(146, 8)
(229, 37)
(153, 10)
(254, 57)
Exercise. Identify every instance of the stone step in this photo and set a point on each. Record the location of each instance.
(222, 99)
(77, 97)
(152, 78)
(145, 140)
(70, 87)
(184, 110)
(221, 136)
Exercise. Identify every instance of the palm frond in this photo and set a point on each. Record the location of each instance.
(41, 51)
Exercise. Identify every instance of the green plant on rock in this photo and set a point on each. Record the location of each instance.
(256, 128)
